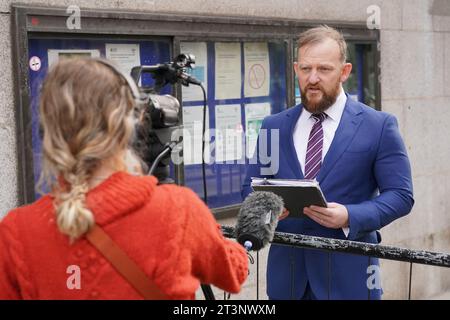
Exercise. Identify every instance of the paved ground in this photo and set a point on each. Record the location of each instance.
(444, 296)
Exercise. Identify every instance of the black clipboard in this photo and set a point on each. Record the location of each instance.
(296, 194)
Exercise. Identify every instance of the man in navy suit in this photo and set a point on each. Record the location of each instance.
(358, 157)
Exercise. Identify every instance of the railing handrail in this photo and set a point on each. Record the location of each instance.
(353, 247)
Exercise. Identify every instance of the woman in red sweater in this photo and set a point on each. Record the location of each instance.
(87, 113)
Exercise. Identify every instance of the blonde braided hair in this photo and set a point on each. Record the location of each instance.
(87, 119)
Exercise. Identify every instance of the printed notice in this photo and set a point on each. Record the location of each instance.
(229, 133)
(198, 49)
(192, 135)
(254, 116)
(257, 69)
(55, 55)
(228, 70)
(125, 56)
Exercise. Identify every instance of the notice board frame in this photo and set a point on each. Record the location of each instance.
(40, 20)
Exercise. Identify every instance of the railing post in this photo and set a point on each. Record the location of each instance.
(410, 280)
(329, 275)
(257, 275)
(368, 287)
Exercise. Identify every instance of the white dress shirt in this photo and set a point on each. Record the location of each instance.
(330, 124)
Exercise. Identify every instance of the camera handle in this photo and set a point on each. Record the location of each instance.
(165, 152)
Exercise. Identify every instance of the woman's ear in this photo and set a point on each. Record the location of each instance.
(134, 163)
(139, 114)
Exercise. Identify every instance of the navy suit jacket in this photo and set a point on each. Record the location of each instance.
(366, 169)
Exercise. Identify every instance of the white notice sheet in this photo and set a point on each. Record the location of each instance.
(124, 55)
(228, 70)
(257, 69)
(254, 116)
(229, 133)
(55, 54)
(192, 135)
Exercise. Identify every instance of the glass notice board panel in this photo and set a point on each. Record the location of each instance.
(245, 82)
(43, 52)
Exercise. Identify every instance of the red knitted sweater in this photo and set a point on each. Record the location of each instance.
(166, 230)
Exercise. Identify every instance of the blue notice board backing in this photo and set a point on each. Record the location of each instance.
(224, 180)
(151, 52)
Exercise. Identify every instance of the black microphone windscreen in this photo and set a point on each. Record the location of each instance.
(258, 218)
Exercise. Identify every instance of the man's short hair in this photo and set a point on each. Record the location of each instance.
(319, 34)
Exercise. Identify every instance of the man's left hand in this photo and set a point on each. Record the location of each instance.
(335, 216)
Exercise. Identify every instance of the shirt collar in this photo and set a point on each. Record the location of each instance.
(335, 111)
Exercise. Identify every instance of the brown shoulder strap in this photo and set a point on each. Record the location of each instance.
(124, 265)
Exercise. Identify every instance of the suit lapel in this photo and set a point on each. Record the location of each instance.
(350, 121)
(287, 134)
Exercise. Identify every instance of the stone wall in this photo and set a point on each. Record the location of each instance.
(415, 87)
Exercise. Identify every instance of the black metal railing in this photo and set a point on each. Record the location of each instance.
(359, 248)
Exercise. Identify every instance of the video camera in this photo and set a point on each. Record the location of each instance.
(159, 120)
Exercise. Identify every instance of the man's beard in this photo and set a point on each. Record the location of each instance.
(328, 98)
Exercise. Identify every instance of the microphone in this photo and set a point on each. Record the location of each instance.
(186, 79)
(170, 72)
(257, 219)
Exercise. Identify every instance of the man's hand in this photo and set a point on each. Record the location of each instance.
(284, 214)
(335, 216)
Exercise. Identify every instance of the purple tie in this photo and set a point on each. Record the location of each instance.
(314, 149)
